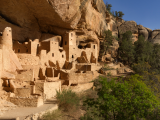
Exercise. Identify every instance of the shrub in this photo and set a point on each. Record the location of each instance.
(116, 38)
(67, 99)
(125, 100)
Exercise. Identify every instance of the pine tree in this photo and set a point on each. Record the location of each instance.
(120, 14)
(126, 50)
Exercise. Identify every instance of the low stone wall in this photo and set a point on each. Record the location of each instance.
(23, 92)
(79, 87)
(47, 88)
(87, 67)
(76, 78)
(28, 59)
(25, 75)
(27, 102)
(83, 67)
(50, 88)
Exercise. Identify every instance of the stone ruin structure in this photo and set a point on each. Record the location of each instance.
(33, 71)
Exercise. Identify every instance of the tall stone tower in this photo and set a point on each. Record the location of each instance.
(6, 37)
(69, 45)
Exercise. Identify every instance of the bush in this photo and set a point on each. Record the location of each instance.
(67, 99)
(125, 100)
(116, 38)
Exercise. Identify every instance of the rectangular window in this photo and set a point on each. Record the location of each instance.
(94, 46)
(52, 54)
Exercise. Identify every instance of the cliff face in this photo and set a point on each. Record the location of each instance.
(148, 34)
(29, 18)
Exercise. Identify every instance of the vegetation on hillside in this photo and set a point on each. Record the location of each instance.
(143, 57)
(134, 97)
(107, 42)
(127, 99)
(68, 103)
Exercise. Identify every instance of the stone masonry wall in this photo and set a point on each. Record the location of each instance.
(75, 78)
(50, 88)
(27, 59)
(27, 102)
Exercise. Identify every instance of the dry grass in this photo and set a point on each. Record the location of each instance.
(71, 109)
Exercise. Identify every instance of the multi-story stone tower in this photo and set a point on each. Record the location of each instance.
(69, 45)
(6, 38)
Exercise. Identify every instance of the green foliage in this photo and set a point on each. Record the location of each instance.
(126, 50)
(144, 59)
(105, 68)
(108, 38)
(67, 99)
(141, 68)
(108, 6)
(151, 78)
(143, 50)
(124, 100)
(120, 14)
(155, 57)
(116, 14)
(116, 38)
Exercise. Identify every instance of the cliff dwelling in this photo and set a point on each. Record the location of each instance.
(34, 70)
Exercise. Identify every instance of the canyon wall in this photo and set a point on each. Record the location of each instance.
(31, 18)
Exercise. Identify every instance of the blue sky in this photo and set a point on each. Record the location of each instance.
(144, 12)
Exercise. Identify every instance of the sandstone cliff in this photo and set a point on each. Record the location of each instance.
(30, 19)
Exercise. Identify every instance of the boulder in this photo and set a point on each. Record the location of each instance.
(155, 36)
(143, 31)
(154, 33)
(149, 33)
(128, 26)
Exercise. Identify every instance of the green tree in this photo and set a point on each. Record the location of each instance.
(124, 100)
(116, 14)
(120, 14)
(143, 50)
(155, 58)
(126, 49)
(108, 6)
(108, 39)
